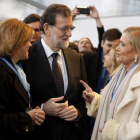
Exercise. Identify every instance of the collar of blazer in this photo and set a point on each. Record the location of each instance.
(131, 95)
(135, 80)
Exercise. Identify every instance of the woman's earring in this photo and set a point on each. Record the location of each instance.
(135, 58)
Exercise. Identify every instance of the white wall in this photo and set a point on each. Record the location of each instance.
(86, 27)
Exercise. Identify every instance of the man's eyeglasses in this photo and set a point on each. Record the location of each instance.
(64, 29)
(36, 30)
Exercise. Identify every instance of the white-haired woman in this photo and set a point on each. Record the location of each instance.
(118, 109)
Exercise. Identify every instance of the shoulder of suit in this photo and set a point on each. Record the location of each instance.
(72, 52)
(2, 63)
(36, 46)
(90, 55)
(4, 67)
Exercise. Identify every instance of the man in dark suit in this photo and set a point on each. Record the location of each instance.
(63, 113)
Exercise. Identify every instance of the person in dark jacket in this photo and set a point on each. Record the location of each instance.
(17, 117)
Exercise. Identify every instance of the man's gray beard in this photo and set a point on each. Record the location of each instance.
(63, 46)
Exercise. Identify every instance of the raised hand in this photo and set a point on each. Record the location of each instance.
(75, 12)
(94, 13)
(88, 94)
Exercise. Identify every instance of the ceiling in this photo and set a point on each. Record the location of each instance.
(106, 8)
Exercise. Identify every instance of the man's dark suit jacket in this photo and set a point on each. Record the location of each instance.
(93, 63)
(43, 88)
(14, 122)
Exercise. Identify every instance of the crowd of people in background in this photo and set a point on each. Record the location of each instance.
(60, 90)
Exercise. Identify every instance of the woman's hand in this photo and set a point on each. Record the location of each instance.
(88, 94)
(75, 12)
(94, 13)
(37, 115)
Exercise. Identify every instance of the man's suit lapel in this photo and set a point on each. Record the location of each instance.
(69, 66)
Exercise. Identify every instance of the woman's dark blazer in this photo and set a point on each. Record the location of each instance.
(14, 122)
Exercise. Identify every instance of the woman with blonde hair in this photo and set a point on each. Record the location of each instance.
(111, 64)
(117, 110)
(17, 118)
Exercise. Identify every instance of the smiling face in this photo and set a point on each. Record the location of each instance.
(107, 45)
(109, 60)
(59, 39)
(125, 52)
(84, 46)
(23, 51)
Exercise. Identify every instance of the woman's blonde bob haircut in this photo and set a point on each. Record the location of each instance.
(134, 38)
(13, 34)
(115, 63)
